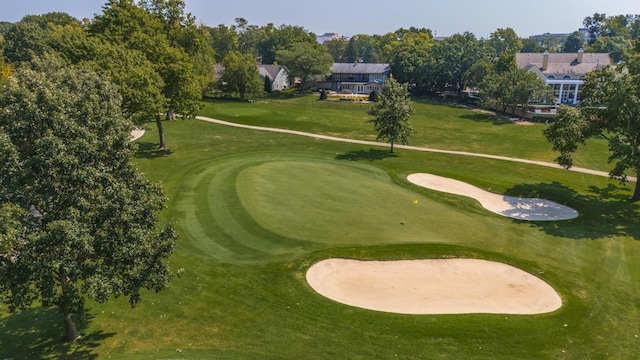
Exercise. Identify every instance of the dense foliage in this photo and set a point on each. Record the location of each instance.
(610, 109)
(391, 113)
(80, 220)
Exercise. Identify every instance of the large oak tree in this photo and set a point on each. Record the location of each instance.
(78, 220)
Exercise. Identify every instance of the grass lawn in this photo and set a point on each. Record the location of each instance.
(438, 125)
(255, 209)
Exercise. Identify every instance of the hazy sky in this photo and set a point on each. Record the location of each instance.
(443, 17)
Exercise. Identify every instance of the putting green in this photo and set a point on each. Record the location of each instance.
(256, 206)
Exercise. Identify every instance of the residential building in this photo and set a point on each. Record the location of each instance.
(563, 71)
(277, 74)
(327, 37)
(356, 78)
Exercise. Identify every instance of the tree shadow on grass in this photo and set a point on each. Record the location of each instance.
(147, 150)
(369, 155)
(604, 211)
(39, 332)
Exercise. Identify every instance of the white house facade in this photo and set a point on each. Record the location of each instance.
(565, 72)
(356, 78)
(277, 74)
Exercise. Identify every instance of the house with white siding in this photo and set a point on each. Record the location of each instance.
(356, 78)
(564, 72)
(277, 74)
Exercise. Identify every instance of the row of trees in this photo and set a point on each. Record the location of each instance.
(156, 55)
(416, 57)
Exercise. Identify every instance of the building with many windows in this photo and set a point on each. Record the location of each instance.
(565, 72)
(356, 78)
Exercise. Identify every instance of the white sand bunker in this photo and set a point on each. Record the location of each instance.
(531, 209)
(436, 286)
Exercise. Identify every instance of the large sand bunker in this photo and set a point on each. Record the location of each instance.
(531, 209)
(436, 286)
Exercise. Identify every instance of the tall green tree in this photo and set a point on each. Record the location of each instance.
(223, 40)
(454, 56)
(241, 77)
(83, 223)
(249, 36)
(392, 112)
(531, 46)
(362, 48)
(336, 48)
(594, 25)
(306, 60)
(123, 22)
(182, 32)
(411, 59)
(279, 38)
(616, 46)
(138, 82)
(513, 88)
(610, 109)
(24, 41)
(575, 41)
(503, 63)
(505, 40)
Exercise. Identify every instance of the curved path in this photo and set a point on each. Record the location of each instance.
(530, 209)
(416, 148)
(136, 134)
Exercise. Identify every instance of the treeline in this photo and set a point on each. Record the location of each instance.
(133, 38)
(156, 55)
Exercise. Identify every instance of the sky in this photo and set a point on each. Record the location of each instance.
(347, 18)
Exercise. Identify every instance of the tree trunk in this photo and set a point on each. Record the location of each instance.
(636, 192)
(391, 151)
(70, 330)
(171, 114)
(160, 132)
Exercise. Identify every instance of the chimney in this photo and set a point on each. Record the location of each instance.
(545, 61)
(580, 55)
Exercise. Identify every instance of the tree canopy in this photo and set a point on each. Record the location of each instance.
(81, 223)
(305, 60)
(610, 109)
(509, 89)
(241, 77)
(392, 112)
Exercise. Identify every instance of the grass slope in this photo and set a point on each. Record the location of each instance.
(255, 210)
(438, 125)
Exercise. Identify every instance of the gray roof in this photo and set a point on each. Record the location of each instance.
(360, 68)
(270, 71)
(563, 63)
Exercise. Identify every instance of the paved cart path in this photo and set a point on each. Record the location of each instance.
(415, 148)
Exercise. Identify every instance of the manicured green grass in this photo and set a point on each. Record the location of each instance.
(256, 209)
(438, 125)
